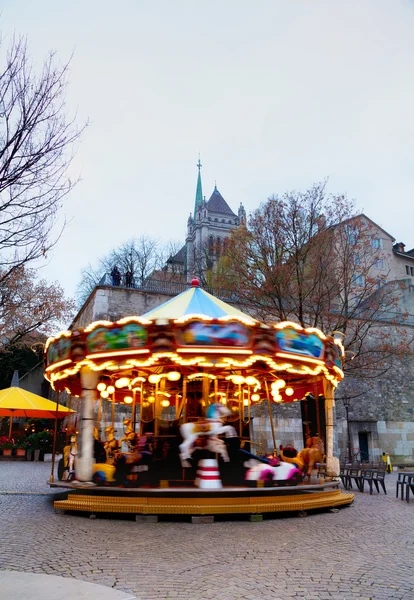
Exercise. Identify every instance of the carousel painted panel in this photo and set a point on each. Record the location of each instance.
(117, 337)
(290, 340)
(58, 350)
(231, 334)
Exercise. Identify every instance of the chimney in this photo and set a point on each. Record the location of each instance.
(399, 247)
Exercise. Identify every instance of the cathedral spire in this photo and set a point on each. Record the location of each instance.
(199, 191)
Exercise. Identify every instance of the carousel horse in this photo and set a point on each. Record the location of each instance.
(130, 437)
(306, 460)
(66, 465)
(122, 468)
(206, 431)
(111, 446)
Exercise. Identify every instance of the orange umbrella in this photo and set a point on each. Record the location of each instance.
(15, 402)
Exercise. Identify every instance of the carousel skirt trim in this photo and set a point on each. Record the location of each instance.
(205, 506)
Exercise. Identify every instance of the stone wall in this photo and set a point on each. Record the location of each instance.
(108, 303)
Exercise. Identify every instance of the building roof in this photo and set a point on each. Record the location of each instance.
(195, 301)
(218, 204)
(409, 254)
(363, 216)
(199, 190)
(179, 257)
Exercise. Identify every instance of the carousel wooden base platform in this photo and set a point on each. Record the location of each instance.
(192, 501)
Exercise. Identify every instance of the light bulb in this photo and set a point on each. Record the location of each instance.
(255, 397)
(128, 399)
(238, 379)
(154, 378)
(251, 380)
(110, 389)
(246, 402)
(173, 376)
(165, 403)
(151, 399)
(101, 386)
(289, 391)
(104, 394)
(122, 382)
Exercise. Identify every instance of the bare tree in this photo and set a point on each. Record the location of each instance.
(36, 145)
(89, 279)
(307, 257)
(141, 257)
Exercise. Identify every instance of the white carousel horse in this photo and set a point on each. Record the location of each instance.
(211, 427)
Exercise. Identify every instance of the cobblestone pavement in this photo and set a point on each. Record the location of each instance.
(363, 551)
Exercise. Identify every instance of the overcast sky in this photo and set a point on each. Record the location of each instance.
(274, 94)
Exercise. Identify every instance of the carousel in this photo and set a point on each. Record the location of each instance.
(167, 405)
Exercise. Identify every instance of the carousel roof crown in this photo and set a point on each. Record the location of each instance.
(197, 302)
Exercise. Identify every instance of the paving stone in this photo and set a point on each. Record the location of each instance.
(366, 551)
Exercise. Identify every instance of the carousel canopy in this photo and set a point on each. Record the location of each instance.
(197, 302)
(196, 335)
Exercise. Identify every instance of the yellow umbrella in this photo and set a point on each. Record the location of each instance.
(15, 402)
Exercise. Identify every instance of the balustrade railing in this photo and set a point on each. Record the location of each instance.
(164, 287)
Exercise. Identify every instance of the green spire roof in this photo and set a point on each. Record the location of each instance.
(199, 191)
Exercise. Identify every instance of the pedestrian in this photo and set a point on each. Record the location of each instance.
(128, 279)
(116, 276)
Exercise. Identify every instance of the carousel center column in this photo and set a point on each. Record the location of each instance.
(84, 462)
(332, 463)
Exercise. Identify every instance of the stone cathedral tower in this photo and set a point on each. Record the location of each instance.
(207, 229)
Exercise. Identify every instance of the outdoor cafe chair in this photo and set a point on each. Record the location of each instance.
(409, 486)
(378, 477)
(343, 474)
(374, 476)
(354, 473)
(367, 476)
(401, 483)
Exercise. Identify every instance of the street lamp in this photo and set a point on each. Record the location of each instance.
(347, 402)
